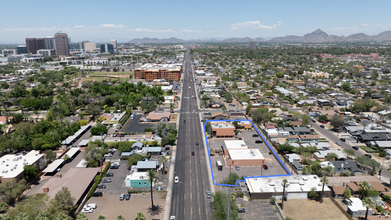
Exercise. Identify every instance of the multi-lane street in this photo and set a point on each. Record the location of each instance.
(189, 199)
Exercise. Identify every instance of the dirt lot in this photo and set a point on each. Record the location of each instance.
(312, 210)
(110, 206)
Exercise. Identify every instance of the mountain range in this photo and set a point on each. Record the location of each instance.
(318, 36)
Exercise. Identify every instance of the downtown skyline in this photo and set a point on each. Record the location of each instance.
(99, 22)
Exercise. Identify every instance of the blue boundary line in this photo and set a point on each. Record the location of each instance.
(264, 140)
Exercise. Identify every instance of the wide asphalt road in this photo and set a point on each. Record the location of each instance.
(189, 199)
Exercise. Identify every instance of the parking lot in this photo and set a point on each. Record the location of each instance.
(134, 125)
(274, 167)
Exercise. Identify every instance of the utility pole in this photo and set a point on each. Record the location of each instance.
(229, 198)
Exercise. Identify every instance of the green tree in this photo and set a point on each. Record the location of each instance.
(347, 193)
(62, 202)
(313, 194)
(30, 171)
(3, 207)
(93, 109)
(367, 203)
(22, 216)
(337, 122)
(324, 181)
(220, 203)
(81, 216)
(120, 217)
(11, 190)
(322, 118)
(42, 216)
(363, 188)
(345, 86)
(33, 206)
(163, 159)
(152, 179)
(306, 119)
(101, 217)
(140, 216)
(50, 156)
(286, 147)
(63, 216)
(284, 181)
(232, 178)
(331, 156)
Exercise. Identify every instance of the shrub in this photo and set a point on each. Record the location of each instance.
(239, 194)
(272, 200)
(106, 168)
(93, 188)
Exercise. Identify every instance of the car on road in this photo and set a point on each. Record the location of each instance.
(258, 142)
(338, 143)
(237, 168)
(192, 153)
(322, 126)
(114, 166)
(176, 179)
(122, 196)
(184, 121)
(355, 147)
(101, 186)
(172, 217)
(208, 195)
(106, 181)
(255, 135)
(368, 155)
(97, 194)
(241, 210)
(324, 122)
(127, 197)
(197, 143)
(265, 167)
(109, 175)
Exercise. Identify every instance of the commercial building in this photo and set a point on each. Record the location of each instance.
(137, 179)
(21, 49)
(253, 45)
(106, 48)
(46, 52)
(49, 43)
(159, 116)
(150, 72)
(61, 40)
(222, 129)
(89, 46)
(34, 44)
(11, 165)
(237, 153)
(114, 43)
(297, 187)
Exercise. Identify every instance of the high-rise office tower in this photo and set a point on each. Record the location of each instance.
(106, 48)
(253, 45)
(114, 43)
(34, 44)
(62, 48)
(21, 49)
(50, 43)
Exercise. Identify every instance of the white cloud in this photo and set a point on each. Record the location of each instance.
(112, 26)
(78, 26)
(190, 31)
(365, 24)
(29, 29)
(254, 25)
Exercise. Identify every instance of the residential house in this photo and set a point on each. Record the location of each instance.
(337, 191)
(349, 165)
(356, 208)
(308, 138)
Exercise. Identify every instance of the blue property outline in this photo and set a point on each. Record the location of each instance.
(264, 140)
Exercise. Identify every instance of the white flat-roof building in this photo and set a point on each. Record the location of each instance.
(11, 165)
(356, 208)
(235, 144)
(297, 187)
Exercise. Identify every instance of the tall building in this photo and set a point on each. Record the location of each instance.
(21, 49)
(46, 52)
(34, 44)
(75, 46)
(150, 72)
(62, 48)
(114, 43)
(50, 43)
(89, 46)
(253, 45)
(106, 48)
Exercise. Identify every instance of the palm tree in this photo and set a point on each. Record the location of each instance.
(22, 216)
(152, 178)
(120, 217)
(324, 181)
(367, 203)
(284, 181)
(42, 216)
(62, 216)
(140, 216)
(81, 216)
(101, 217)
(163, 159)
(363, 188)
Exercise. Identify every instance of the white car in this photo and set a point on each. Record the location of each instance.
(172, 217)
(176, 179)
(87, 210)
(91, 205)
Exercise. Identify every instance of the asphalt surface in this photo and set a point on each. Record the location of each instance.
(134, 125)
(189, 199)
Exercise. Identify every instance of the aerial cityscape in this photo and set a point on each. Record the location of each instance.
(174, 110)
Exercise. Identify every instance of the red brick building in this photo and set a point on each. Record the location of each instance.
(150, 72)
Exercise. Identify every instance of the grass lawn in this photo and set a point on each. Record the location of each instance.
(365, 148)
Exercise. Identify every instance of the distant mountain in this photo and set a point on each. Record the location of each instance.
(318, 36)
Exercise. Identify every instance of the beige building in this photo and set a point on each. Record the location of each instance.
(237, 153)
(89, 46)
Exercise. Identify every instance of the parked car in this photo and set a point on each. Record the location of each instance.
(176, 179)
(109, 175)
(127, 197)
(208, 195)
(322, 126)
(87, 210)
(338, 143)
(354, 147)
(97, 194)
(92, 205)
(241, 210)
(342, 139)
(258, 142)
(368, 155)
(237, 168)
(240, 138)
(101, 186)
(114, 166)
(265, 167)
(122, 196)
(106, 181)
(255, 135)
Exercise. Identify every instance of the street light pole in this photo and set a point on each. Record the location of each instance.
(229, 198)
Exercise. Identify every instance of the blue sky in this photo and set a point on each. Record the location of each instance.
(100, 21)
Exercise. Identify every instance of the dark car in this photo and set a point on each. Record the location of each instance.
(354, 147)
(115, 166)
(343, 139)
(97, 194)
(368, 155)
(322, 126)
(109, 175)
(192, 153)
(184, 121)
(237, 168)
(255, 135)
(127, 197)
(106, 181)
(101, 186)
(240, 138)
(265, 167)
(241, 210)
(258, 142)
(122, 135)
(197, 143)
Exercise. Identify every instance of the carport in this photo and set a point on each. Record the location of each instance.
(72, 152)
(83, 143)
(143, 166)
(53, 166)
